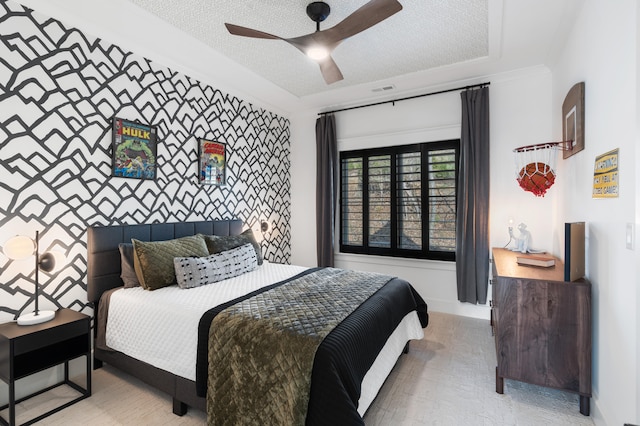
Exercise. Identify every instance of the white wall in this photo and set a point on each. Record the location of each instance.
(303, 189)
(602, 52)
(637, 215)
(520, 104)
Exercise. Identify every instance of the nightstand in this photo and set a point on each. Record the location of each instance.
(27, 349)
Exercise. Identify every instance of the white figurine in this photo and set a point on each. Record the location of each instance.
(522, 241)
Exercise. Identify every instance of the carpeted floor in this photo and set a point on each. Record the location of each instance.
(448, 378)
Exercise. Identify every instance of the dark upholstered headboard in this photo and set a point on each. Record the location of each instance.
(103, 255)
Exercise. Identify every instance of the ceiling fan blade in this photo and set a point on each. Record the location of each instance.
(248, 32)
(367, 16)
(330, 71)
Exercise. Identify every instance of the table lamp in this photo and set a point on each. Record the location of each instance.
(21, 247)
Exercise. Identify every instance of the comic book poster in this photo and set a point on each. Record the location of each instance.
(134, 150)
(212, 162)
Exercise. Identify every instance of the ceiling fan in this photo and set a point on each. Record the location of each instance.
(320, 44)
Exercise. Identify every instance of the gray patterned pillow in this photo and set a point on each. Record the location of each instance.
(197, 271)
(217, 243)
(153, 261)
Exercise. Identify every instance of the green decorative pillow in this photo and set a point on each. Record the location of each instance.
(153, 261)
(217, 243)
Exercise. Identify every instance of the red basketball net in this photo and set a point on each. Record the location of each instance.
(535, 165)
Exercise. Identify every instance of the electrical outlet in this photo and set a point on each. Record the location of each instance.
(631, 236)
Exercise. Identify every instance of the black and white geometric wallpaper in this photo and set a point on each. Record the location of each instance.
(59, 90)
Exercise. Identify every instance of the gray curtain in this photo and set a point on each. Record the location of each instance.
(472, 224)
(326, 187)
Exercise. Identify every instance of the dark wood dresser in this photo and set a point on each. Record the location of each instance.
(542, 326)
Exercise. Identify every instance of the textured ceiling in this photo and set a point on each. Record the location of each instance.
(426, 34)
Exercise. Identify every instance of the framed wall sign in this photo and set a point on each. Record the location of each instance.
(212, 162)
(134, 150)
(606, 182)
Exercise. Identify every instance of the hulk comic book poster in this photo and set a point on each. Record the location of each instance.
(134, 150)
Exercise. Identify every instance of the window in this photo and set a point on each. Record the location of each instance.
(400, 201)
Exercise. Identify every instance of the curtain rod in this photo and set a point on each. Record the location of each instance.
(473, 86)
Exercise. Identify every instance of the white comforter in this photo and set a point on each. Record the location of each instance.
(160, 327)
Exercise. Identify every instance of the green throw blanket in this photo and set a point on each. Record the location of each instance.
(261, 350)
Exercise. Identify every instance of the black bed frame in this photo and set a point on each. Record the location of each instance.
(103, 273)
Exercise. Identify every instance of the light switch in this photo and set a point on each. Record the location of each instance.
(630, 236)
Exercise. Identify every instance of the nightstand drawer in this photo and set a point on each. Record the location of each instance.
(49, 337)
(49, 356)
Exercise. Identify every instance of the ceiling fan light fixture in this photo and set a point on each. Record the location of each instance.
(319, 45)
(317, 53)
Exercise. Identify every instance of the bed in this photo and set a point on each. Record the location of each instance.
(379, 336)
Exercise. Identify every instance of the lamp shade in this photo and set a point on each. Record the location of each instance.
(19, 247)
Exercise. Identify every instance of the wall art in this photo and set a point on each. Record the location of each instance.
(606, 183)
(134, 150)
(212, 162)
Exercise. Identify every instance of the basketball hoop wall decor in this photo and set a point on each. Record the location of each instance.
(536, 164)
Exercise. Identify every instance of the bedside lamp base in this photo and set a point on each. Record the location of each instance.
(33, 318)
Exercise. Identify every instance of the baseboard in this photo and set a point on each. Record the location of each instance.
(459, 308)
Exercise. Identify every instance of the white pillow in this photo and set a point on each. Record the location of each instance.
(197, 271)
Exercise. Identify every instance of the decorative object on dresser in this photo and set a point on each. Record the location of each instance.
(574, 237)
(21, 247)
(27, 350)
(542, 326)
(543, 261)
(522, 240)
